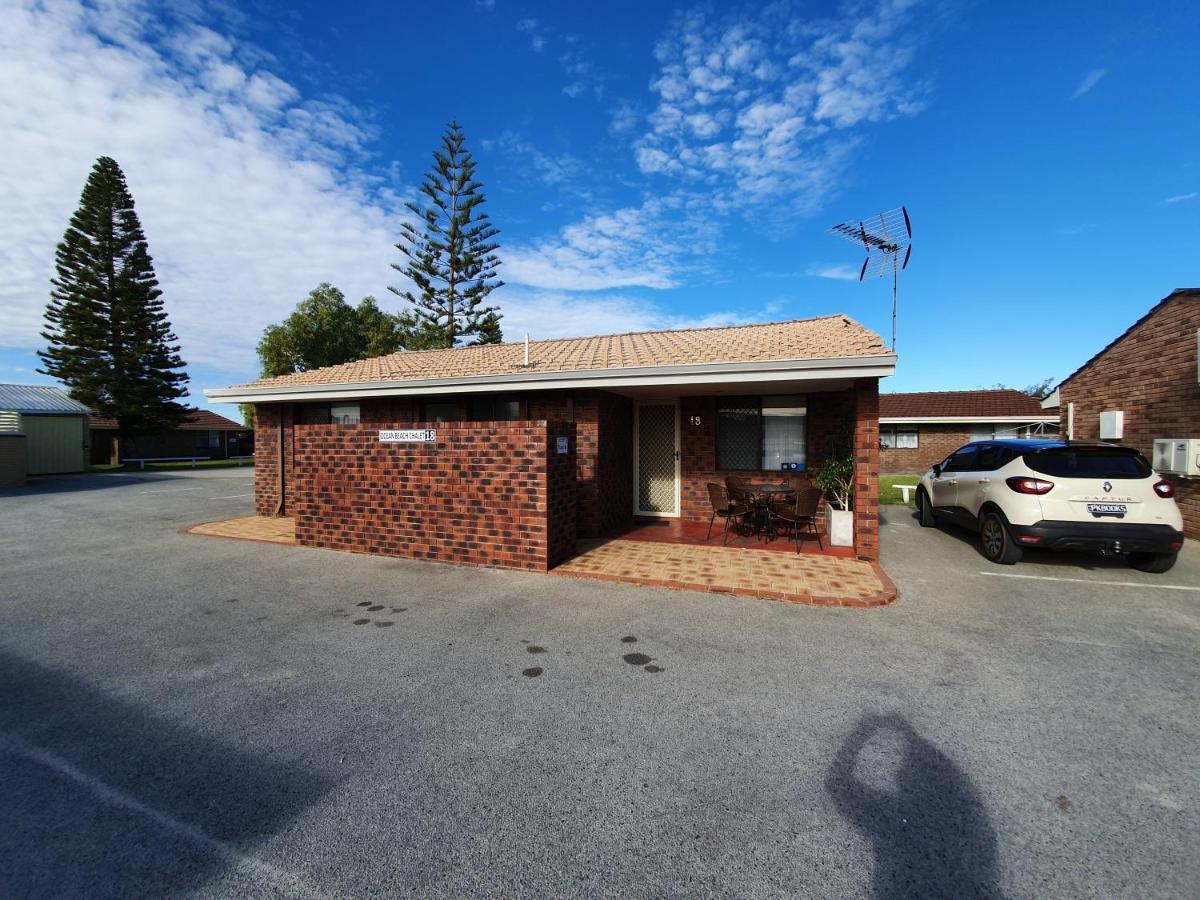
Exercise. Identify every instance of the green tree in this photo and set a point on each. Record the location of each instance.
(489, 330)
(1037, 391)
(451, 257)
(108, 337)
(325, 330)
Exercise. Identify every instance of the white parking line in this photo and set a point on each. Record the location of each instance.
(1131, 584)
(286, 882)
(171, 490)
(232, 496)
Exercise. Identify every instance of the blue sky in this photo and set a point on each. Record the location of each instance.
(649, 165)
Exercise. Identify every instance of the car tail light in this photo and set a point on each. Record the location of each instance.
(1025, 485)
(1164, 489)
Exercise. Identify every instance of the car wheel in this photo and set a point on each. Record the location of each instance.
(1153, 562)
(925, 511)
(996, 541)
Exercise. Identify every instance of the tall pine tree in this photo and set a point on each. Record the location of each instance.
(451, 258)
(108, 336)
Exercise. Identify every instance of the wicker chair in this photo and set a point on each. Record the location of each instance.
(727, 507)
(802, 516)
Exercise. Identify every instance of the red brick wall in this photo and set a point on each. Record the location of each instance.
(866, 468)
(830, 418)
(934, 443)
(1150, 374)
(494, 493)
(266, 457)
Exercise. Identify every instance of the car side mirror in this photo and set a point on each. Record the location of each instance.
(937, 470)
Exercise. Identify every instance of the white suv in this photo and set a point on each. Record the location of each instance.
(1059, 495)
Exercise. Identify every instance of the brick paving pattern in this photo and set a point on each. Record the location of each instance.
(798, 578)
(272, 529)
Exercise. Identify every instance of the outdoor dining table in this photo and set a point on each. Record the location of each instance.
(762, 495)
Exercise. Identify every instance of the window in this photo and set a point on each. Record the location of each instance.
(207, 440)
(993, 457)
(760, 433)
(344, 414)
(326, 414)
(1089, 462)
(898, 437)
(960, 460)
(998, 432)
(495, 408)
(439, 411)
(783, 421)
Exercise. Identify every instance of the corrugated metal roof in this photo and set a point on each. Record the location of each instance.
(34, 399)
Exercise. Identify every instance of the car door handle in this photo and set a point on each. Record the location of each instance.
(985, 481)
(952, 481)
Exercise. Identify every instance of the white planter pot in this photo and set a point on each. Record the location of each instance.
(840, 526)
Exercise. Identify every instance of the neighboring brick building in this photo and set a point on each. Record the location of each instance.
(204, 434)
(918, 430)
(1151, 374)
(479, 455)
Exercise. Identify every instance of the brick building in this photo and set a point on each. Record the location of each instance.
(918, 430)
(504, 454)
(1150, 374)
(205, 434)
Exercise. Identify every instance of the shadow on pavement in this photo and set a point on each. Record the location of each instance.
(67, 484)
(102, 798)
(929, 830)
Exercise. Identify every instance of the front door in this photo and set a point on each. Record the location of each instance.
(656, 458)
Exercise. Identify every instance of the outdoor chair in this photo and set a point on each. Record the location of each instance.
(727, 507)
(802, 515)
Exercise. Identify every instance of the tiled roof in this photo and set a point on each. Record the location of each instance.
(36, 398)
(826, 337)
(959, 404)
(200, 420)
(1191, 294)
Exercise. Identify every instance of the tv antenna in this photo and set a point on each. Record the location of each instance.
(887, 238)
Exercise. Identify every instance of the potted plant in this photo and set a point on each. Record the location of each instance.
(836, 481)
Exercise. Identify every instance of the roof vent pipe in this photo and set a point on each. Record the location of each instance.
(527, 349)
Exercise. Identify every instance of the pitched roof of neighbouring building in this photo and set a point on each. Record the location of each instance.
(200, 420)
(959, 405)
(1177, 294)
(826, 337)
(34, 399)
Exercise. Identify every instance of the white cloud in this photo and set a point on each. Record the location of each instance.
(1183, 198)
(761, 108)
(249, 195)
(1090, 80)
(644, 246)
(486, 5)
(837, 273)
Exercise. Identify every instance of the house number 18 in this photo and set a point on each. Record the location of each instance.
(695, 420)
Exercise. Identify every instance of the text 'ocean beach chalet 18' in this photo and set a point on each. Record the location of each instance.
(506, 454)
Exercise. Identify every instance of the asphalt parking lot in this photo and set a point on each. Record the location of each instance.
(194, 716)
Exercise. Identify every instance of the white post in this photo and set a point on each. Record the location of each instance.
(527, 349)
(1070, 421)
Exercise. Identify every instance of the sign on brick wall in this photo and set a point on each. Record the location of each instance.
(409, 436)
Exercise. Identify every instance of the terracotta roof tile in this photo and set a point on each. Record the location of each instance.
(200, 420)
(818, 338)
(958, 404)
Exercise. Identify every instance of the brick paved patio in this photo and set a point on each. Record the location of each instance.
(794, 577)
(271, 529)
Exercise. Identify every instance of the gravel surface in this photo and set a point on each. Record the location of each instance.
(195, 716)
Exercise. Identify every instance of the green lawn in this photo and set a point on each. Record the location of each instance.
(888, 493)
(202, 464)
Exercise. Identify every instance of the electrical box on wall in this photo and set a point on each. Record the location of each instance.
(1177, 456)
(1112, 425)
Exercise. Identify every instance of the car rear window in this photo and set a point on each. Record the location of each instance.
(1089, 462)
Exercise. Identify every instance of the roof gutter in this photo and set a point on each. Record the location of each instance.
(963, 420)
(797, 370)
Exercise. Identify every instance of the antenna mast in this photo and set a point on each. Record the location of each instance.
(885, 237)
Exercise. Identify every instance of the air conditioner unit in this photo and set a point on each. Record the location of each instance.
(1177, 456)
(1112, 425)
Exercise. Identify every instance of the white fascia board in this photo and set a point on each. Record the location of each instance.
(798, 371)
(964, 420)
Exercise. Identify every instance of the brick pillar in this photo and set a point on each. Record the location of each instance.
(866, 468)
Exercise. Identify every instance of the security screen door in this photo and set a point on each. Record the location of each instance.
(656, 458)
